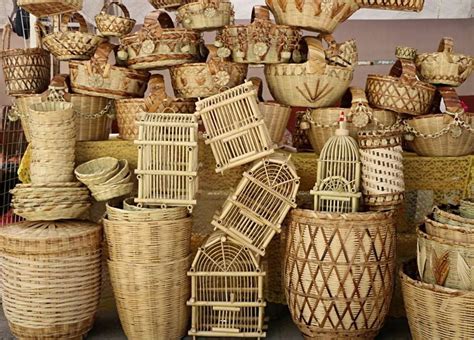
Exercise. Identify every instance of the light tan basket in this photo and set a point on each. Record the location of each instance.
(96, 77)
(449, 232)
(167, 4)
(401, 91)
(446, 217)
(444, 67)
(397, 5)
(314, 83)
(206, 15)
(200, 80)
(105, 192)
(259, 42)
(159, 45)
(319, 16)
(227, 290)
(466, 208)
(97, 171)
(94, 117)
(71, 44)
(114, 25)
(330, 259)
(133, 213)
(26, 71)
(44, 8)
(51, 278)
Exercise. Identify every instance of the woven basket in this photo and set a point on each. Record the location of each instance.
(44, 8)
(206, 15)
(330, 259)
(435, 312)
(114, 25)
(132, 213)
(320, 16)
(311, 84)
(159, 45)
(259, 42)
(21, 108)
(449, 232)
(200, 80)
(51, 278)
(397, 5)
(466, 208)
(444, 67)
(26, 71)
(70, 44)
(401, 91)
(97, 171)
(167, 4)
(94, 117)
(105, 192)
(96, 77)
(450, 218)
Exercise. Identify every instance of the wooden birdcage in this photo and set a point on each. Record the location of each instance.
(226, 290)
(337, 188)
(167, 159)
(255, 211)
(235, 128)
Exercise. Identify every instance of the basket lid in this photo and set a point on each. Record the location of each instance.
(50, 237)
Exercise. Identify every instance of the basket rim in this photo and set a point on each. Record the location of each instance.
(438, 115)
(22, 51)
(387, 78)
(423, 234)
(105, 16)
(200, 4)
(127, 71)
(464, 230)
(358, 216)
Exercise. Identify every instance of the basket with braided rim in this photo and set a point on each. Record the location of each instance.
(206, 15)
(114, 25)
(44, 8)
(448, 232)
(397, 5)
(133, 213)
(451, 218)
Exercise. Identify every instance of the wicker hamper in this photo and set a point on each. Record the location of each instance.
(206, 15)
(44, 8)
(114, 25)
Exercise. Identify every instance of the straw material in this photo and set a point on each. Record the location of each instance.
(276, 119)
(43, 8)
(21, 108)
(114, 25)
(319, 16)
(449, 232)
(97, 170)
(94, 117)
(452, 219)
(167, 4)
(206, 15)
(466, 208)
(397, 5)
(330, 263)
(133, 213)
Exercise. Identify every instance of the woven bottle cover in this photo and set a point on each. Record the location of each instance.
(316, 56)
(405, 67)
(446, 45)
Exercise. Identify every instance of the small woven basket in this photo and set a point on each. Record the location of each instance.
(449, 232)
(397, 5)
(97, 171)
(44, 8)
(114, 25)
(206, 15)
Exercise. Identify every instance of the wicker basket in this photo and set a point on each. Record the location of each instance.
(444, 67)
(314, 83)
(167, 4)
(449, 232)
(159, 45)
(114, 25)
(51, 278)
(401, 91)
(133, 213)
(331, 259)
(466, 208)
(397, 5)
(206, 15)
(94, 117)
(44, 8)
(96, 77)
(26, 71)
(70, 44)
(259, 42)
(450, 218)
(320, 16)
(97, 171)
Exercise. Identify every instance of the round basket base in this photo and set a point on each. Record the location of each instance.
(74, 331)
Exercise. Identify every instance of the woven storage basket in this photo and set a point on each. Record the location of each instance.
(466, 208)
(159, 45)
(435, 312)
(397, 5)
(259, 42)
(44, 8)
(314, 83)
(227, 290)
(26, 71)
(206, 15)
(94, 117)
(51, 278)
(114, 25)
(71, 44)
(200, 80)
(449, 232)
(96, 77)
(167, 4)
(446, 217)
(320, 16)
(323, 122)
(401, 91)
(444, 67)
(97, 171)
(132, 213)
(151, 298)
(330, 259)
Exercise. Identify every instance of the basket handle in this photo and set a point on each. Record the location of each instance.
(260, 12)
(258, 84)
(158, 18)
(336, 51)
(451, 99)
(6, 36)
(316, 56)
(446, 45)
(73, 17)
(124, 9)
(101, 55)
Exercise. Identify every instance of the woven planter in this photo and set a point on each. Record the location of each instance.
(206, 15)
(444, 67)
(94, 117)
(96, 77)
(449, 232)
(51, 278)
(401, 91)
(319, 16)
(397, 5)
(330, 258)
(44, 8)
(260, 42)
(26, 71)
(167, 4)
(114, 25)
(311, 84)
(466, 208)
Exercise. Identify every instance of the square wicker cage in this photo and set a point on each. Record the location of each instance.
(226, 290)
(167, 159)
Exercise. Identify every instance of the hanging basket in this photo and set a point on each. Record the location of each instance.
(397, 5)
(44, 8)
(206, 15)
(114, 25)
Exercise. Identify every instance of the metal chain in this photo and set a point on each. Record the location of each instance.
(105, 111)
(457, 121)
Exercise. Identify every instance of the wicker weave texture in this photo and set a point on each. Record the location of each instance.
(206, 15)
(114, 25)
(42, 8)
(398, 5)
(449, 232)
(276, 119)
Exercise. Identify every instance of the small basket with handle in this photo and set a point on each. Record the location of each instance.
(114, 25)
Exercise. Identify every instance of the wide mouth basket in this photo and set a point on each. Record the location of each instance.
(448, 231)
(206, 15)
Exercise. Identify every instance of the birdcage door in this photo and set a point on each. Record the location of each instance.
(227, 318)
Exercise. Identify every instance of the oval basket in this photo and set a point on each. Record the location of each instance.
(397, 5)
(206, 15)
(449, 232)
(44, 8)
(113, 25)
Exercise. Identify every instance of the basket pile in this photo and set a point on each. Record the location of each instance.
(114, 25)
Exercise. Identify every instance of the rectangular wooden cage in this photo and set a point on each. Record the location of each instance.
(167, 159)
(234, 126)
(226, 290)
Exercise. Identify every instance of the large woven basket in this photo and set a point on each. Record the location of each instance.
(261, 41)
(330, 262)
(96, 77)
(397, 5)
(44, 8)
(320, 16)
(206, 15)
(132, 213)
(200, 80)
(444, 67)
(159, 44)
(114, 25)
(401, 91)
(26, 71)
(94, 117)
(448, 232)
(51, 278)
(314, 83)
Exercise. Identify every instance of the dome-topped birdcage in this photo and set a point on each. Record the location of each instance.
(337, 188)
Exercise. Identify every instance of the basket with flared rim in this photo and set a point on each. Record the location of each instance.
(131, 212)
(114, 25)
(97, 171)
(449, 232)
(206, 15)
(450, 218)
(397, 5)
(44, 8)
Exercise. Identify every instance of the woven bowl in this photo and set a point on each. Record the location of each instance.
(97, 171)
